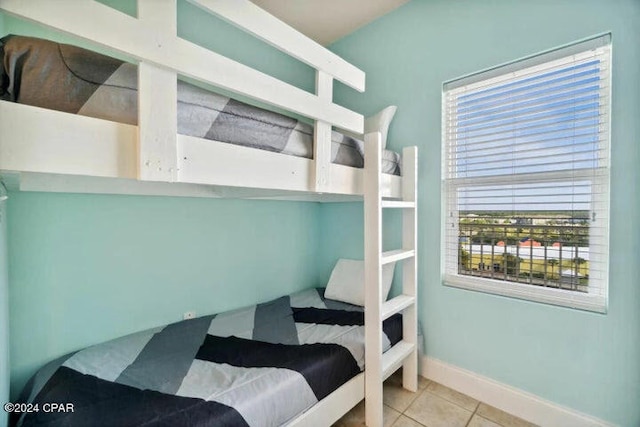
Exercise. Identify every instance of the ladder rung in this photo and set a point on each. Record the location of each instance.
(398, 204)
(393, 358)
(397, 255)
(396, 305)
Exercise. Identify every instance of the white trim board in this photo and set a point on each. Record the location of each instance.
(507, 398)
(87, 150)
(57, 183)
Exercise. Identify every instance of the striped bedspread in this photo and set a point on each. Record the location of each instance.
(261, 365)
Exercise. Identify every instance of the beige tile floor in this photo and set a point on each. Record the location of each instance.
(434, 405)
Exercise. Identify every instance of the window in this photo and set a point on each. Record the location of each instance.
(526, 177)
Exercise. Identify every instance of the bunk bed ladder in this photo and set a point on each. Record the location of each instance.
(379, 366)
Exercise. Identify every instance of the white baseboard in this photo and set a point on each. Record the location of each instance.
(509, 399)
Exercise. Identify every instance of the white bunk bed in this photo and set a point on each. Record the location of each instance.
(72, 153)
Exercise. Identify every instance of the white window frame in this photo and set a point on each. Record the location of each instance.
(595, 301)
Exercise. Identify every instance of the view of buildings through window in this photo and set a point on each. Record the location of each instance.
(540, 248)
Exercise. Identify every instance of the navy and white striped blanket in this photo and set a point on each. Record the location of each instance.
(258, 366)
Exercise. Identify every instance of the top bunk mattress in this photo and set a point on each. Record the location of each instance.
(261, 365)
(67, 78)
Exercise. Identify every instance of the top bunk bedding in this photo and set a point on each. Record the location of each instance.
(261, 365)
(67, 78)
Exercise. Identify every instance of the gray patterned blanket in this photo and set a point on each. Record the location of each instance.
(71, 79)
(258, 366)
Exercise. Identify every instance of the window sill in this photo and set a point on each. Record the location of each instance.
(559, 297)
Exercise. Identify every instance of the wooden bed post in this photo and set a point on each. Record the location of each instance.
(410, 266)
(373, 279)
(157, 100)
(322, 136)
(379, 366)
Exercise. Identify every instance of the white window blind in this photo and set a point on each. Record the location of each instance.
(526, 177)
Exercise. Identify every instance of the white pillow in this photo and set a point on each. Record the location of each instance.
(346, 283)
(380, 122)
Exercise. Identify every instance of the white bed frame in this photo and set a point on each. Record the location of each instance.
(72, 153)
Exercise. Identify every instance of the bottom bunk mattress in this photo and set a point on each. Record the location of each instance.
(257, 366)
(67, 78)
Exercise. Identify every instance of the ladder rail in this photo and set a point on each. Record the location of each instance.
(378, 366)
(396, 305)
(373, 279)
(410, 266)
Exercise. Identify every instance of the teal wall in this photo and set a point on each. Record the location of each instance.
(586, 361)
(4, 311)
(4, 302)
(87, 268)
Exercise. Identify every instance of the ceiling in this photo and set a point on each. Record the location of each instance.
(326, 21)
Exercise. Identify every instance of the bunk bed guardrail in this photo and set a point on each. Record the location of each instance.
(152, 39)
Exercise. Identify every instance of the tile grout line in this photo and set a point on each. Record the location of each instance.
(454, 403)
(423, 391)
(475, 411)
(426, 390)
(473, 414)
(451, 401)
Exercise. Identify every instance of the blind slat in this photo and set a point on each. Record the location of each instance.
(573, 107)
(518, 149)
(566, 159)
(577, 128)
(524, 76)
(531, 105)
(590, 84)
(592, 113)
